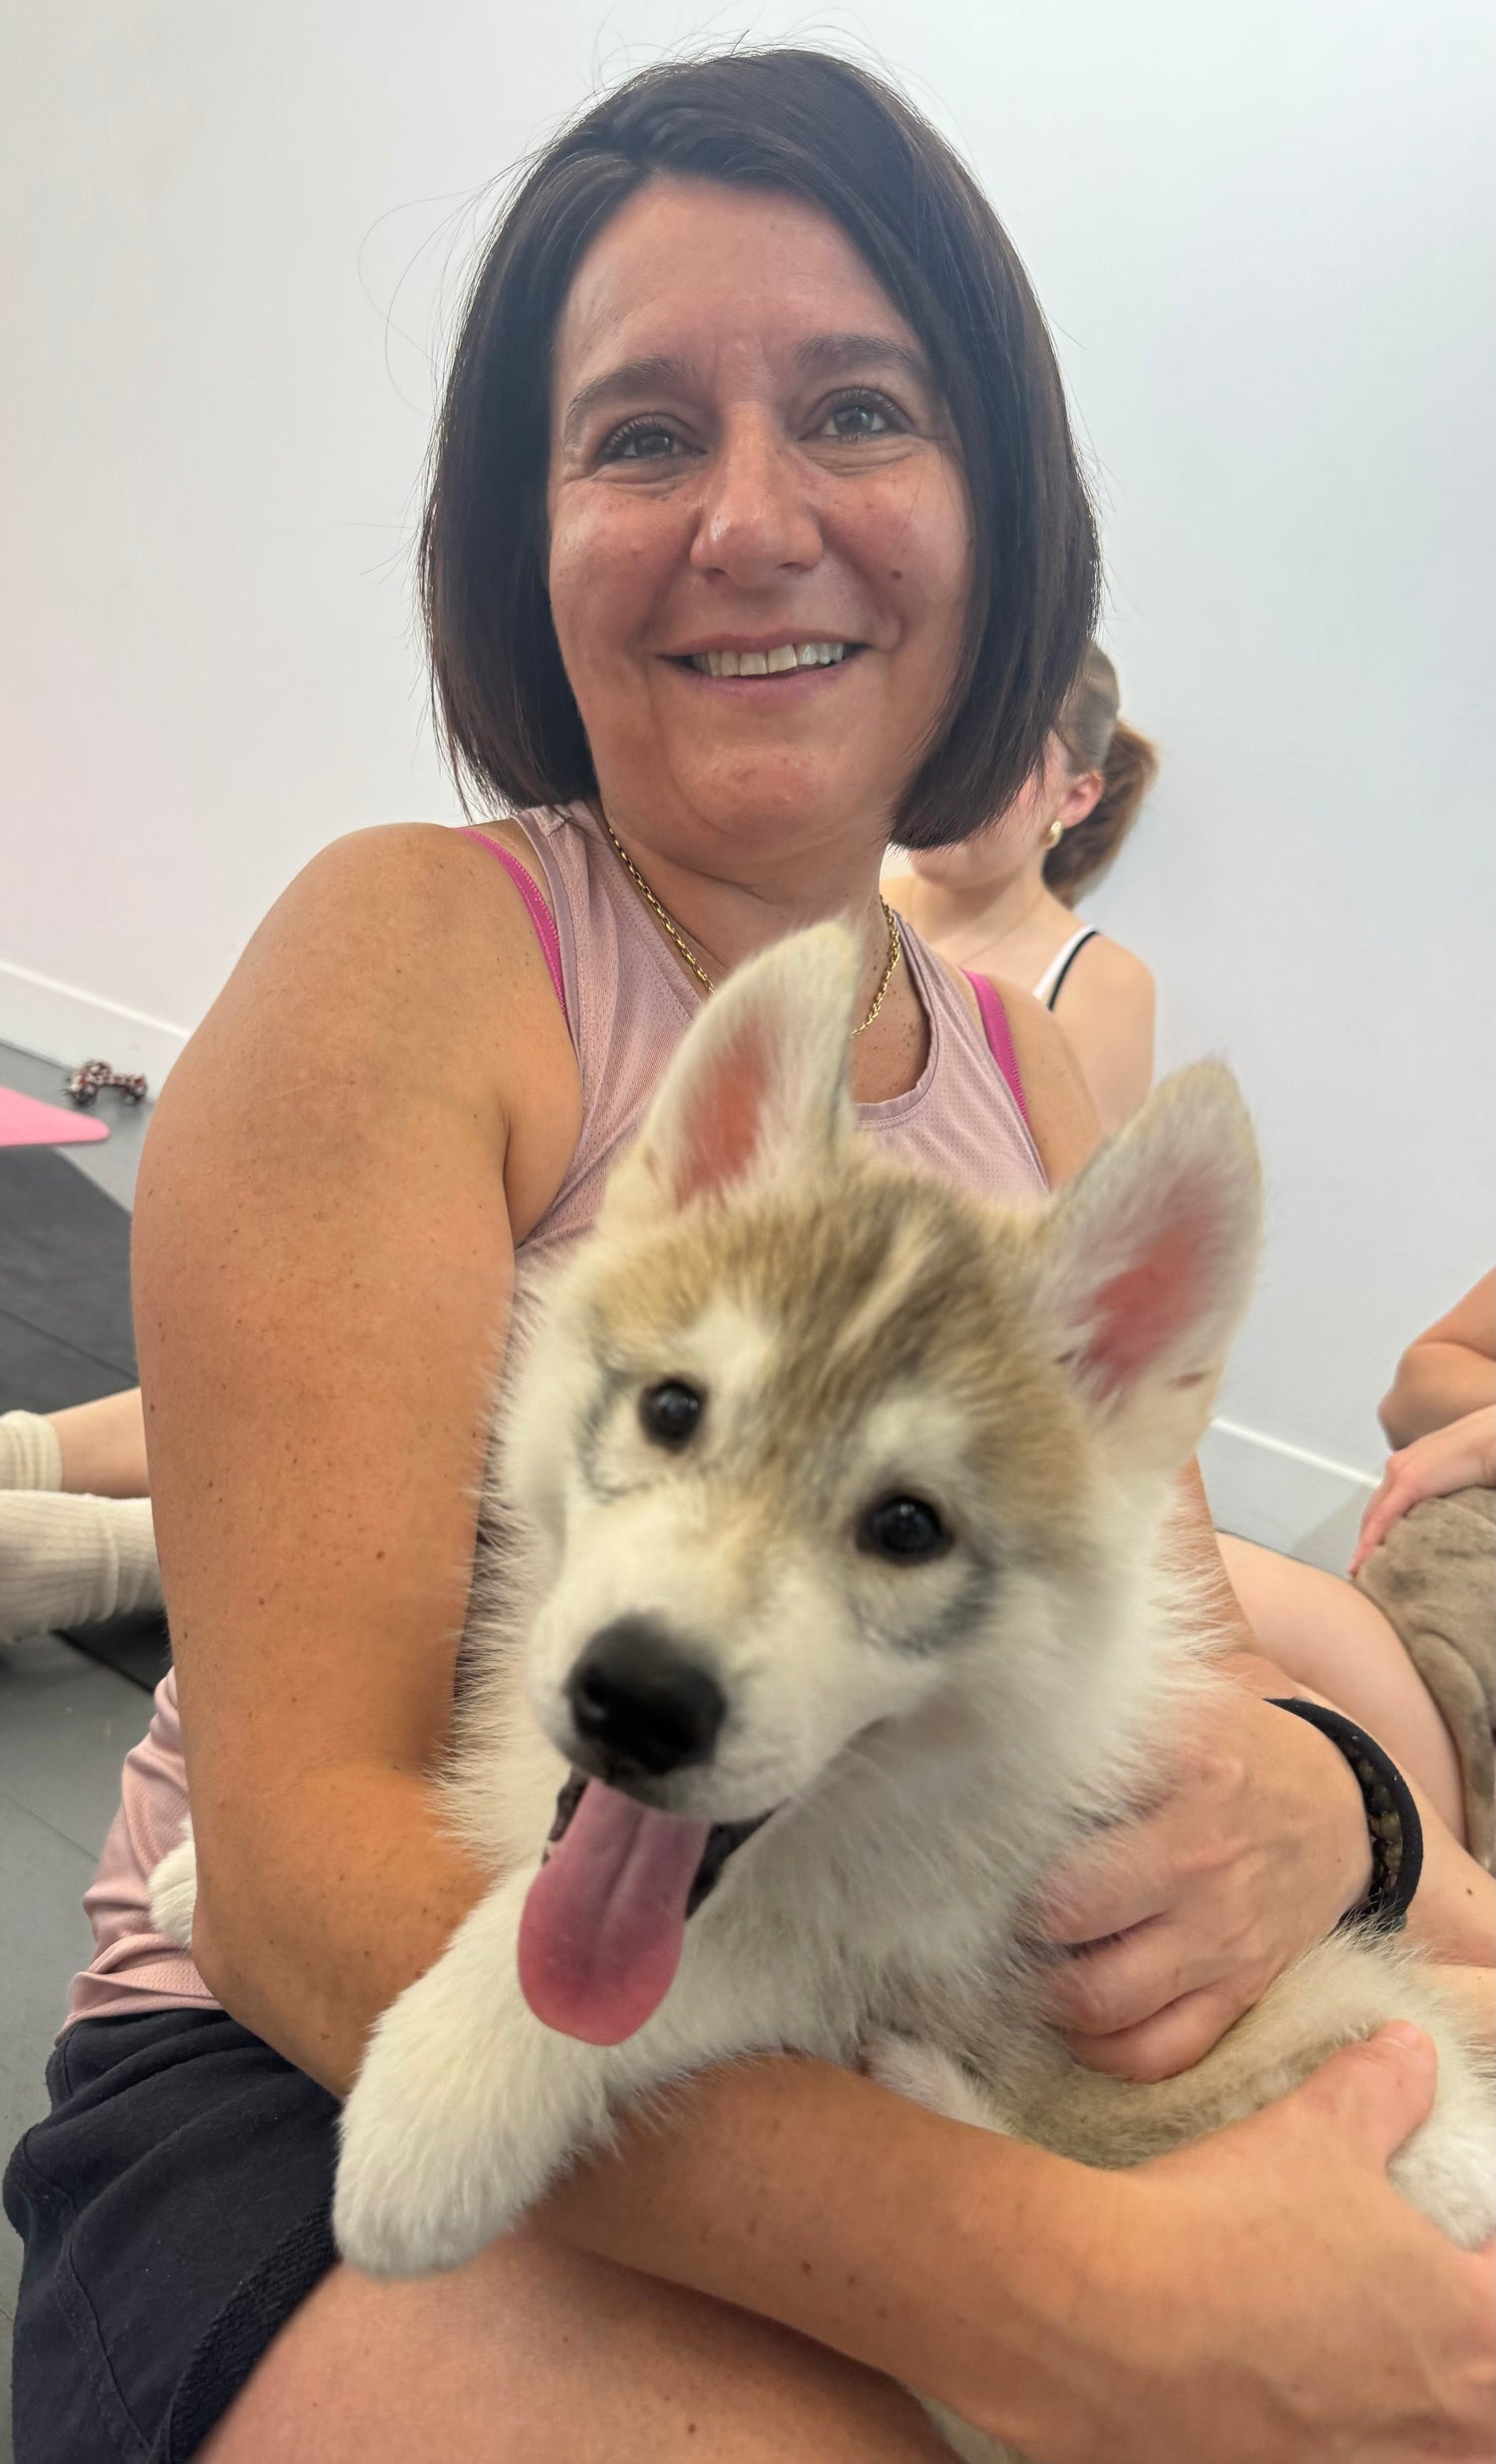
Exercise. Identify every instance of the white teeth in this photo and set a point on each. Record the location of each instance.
(778, 662)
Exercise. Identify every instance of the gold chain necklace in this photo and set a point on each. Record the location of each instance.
(659, 908)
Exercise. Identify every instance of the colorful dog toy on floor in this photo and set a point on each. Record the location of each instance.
(85, 1083)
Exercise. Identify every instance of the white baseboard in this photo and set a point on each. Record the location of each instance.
(59, 1023)
(1262, 1488)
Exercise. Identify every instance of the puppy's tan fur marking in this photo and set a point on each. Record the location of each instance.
(867, 1281)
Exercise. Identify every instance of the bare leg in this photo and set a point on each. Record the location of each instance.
(1332, 1637)
(534, 2355)
(103, 1447)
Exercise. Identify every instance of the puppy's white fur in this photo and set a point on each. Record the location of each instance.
(931, 1736)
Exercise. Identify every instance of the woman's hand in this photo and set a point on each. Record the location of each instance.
(1176, 1924)
(1462, 1456)
(1263, 2296)
(1266, 2293)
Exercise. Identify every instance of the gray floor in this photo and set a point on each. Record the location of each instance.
(66, 1725)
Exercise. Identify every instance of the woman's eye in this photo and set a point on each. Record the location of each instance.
(857, 416)
(904, 1529)
(644, 442)
(669, 1412)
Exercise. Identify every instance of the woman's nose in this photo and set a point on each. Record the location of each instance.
(756, 517)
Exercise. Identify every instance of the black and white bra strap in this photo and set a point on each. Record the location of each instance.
(1075, 951)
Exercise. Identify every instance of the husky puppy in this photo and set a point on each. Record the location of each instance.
(836, 1601)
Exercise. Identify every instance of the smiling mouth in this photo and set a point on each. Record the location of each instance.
(781, 660)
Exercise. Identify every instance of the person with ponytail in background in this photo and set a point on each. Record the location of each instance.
(1003, 903)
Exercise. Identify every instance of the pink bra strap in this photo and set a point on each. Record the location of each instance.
(535, 907)
(999, 1038)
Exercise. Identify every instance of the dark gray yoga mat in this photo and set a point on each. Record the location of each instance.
(65, 1323)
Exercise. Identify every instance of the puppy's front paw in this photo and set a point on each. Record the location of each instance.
(174, 1893)
(427, 2173)
(465, 2110)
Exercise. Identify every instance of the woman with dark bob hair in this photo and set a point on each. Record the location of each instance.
(755, 538)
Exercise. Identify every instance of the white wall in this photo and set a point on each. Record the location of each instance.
(1261, 235)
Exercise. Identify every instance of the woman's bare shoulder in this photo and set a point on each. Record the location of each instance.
(430, 880)
(1061, 1114)
(1106, 1008)
(1105, 964)
(385, 930)
(399, 970)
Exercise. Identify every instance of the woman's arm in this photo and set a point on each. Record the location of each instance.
(1105, 1007)
(1447, 1371)
(322, 1259)
(1261, 2293)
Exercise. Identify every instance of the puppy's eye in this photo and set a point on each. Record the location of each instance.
(904, 1529)
(670, 1413)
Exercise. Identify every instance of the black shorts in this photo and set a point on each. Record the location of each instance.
(176, 2207)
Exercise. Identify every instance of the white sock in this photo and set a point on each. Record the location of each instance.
(72, 1561)
(29, 1452)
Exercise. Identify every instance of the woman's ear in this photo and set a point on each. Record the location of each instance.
(1081, 797)
(757, 1086)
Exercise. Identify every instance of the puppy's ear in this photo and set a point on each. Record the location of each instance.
(1146, 1262)
(759, 1084)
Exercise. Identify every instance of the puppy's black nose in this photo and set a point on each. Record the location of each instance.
(642, 1704)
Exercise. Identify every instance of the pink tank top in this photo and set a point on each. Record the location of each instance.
(627, 1005)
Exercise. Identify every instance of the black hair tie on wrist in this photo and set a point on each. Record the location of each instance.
(1392, 1818)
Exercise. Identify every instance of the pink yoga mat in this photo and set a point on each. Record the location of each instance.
(25, 1122)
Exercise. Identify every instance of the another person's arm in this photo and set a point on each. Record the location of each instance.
(1459, 1454)
(103, 1447)
(1447, 1371)
(1105, 1008)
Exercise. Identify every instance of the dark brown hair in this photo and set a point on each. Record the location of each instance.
(1095, 739)
(802, 122)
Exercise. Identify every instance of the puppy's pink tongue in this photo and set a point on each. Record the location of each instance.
(605, 1921)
